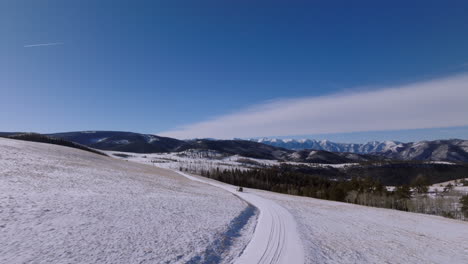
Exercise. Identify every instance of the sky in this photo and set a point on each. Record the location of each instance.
(346, 70)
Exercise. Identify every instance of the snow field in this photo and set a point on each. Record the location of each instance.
(334, 232)
(62, 205)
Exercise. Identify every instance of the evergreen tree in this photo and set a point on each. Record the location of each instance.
(403, 192)
(420, 184)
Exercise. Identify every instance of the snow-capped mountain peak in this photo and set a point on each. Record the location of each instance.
(447, 150)
(297, 144)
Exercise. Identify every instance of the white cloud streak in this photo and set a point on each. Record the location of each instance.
(43, 44)
(429, 104)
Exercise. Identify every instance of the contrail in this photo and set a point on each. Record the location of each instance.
(43, 44)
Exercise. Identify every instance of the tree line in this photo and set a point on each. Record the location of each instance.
(367, 190)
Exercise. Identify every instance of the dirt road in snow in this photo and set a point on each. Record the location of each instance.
(276, 239)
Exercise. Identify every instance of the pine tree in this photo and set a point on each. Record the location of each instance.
(403, 192)
(420, 184)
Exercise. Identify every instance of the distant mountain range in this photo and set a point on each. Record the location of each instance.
(280, 149)
(367, 148)
(146, 143)
(437, 150)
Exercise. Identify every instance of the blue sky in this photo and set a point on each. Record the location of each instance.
(167, 66)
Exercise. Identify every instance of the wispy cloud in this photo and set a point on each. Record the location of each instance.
(43, 44)
(429, 104)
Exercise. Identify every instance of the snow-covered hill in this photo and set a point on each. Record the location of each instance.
(122, 141)
(63, 205)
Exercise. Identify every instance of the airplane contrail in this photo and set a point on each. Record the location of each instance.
(43, 44)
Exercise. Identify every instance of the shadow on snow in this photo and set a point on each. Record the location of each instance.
(214, 252)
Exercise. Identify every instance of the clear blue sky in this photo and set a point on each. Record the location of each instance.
(153, 66)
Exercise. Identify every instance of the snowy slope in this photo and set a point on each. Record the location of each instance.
(62, 205)
(334, 232)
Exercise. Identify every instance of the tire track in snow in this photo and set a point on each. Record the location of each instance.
(276, 239)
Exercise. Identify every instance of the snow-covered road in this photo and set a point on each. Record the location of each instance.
(276, 239)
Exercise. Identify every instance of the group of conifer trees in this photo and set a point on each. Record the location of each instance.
(364, 191)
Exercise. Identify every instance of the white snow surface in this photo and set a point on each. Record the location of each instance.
(122, 141)
(63, 205)
(150, 138)
(334, 232)
(439, 187)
